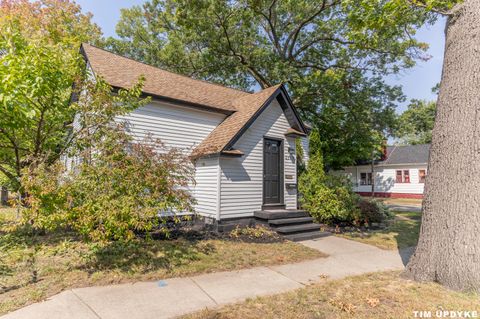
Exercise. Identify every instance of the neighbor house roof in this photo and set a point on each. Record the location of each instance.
(242, 107)
(407, 154)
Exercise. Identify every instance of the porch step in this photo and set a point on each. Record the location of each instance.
(297, 228)
(293, 224)
(280, 214)
(306, 235)
(290, 221)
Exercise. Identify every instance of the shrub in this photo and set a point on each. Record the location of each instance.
(119, 189)
(373, 211)
(329, 199)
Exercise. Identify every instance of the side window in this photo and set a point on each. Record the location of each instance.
(399, 177)
(402, 176)
(422, 174)
(363, 178)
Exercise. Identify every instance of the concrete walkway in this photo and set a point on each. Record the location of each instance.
(177, 296)
(406, 208)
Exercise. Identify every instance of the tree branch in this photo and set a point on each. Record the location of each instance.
(262, 81)
(316, 40)
(271, 31)
(422, 4)
(292, 37)
(8, 174)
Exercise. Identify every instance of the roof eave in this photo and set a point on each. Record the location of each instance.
(252, 119)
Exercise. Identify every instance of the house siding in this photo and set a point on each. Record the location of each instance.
(175, 126)
(206, 187)
(242, 177)
(182, 128)
(306, 149)
(385, 183)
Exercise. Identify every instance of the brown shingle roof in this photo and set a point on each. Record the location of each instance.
(123, 72)
(247, 107)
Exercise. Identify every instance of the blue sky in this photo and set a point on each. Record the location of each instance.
(416, 82)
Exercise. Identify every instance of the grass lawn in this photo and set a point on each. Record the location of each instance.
(376, 295)
(30, 270)
(402, 233)
(401, 201)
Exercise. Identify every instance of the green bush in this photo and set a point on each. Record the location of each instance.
(329, 199)
(373, 211)
(117, 191)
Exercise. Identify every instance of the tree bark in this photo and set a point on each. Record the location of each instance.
(448, 250)
(3, 196)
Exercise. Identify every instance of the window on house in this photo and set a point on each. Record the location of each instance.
(399, 177)
(421, 175)
(402, 176)
(365, 178)
(406, 176)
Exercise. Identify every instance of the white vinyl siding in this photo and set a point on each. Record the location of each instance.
(182, 128)
(175, 126)
(385, 177)
(306, 149)
(242, 177)
(206, 194)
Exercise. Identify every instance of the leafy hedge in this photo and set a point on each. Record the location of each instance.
(330, 199)
(119, 191)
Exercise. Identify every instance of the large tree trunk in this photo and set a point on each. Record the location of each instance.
(448, 250)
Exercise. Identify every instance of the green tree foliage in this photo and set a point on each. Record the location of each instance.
(34, 100)
(39, 64)
(53, 21)
(332, 55)
(415, 124)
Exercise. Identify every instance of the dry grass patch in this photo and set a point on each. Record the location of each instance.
(377, 295)
(32, 269)
(403, 232)
(401, 201)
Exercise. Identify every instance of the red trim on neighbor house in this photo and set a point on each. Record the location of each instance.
(391, 195)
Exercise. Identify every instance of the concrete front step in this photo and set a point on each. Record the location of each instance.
(297, 228)
(290, 221)
(307, 235)
(280, 214)
(293, 224)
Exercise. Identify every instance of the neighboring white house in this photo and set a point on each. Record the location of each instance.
(401, 174)
(242, 144)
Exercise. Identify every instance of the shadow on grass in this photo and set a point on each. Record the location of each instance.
(407, 228)
(146, 255)
(179, 250)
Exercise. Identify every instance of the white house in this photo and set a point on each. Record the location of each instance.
(400, 174)
(242, 144)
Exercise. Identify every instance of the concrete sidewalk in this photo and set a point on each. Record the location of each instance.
(177, 296)
(405, 208)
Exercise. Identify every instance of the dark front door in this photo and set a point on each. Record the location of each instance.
(272, 172)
